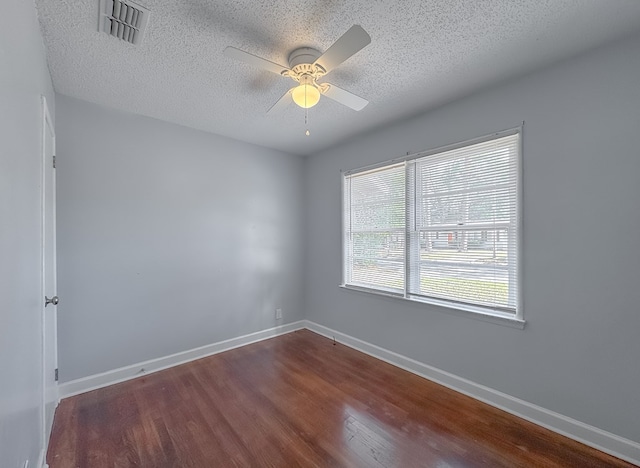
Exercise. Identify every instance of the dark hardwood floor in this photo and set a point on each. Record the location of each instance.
(298, 400)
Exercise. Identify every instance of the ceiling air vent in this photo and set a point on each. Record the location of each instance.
(123, 19)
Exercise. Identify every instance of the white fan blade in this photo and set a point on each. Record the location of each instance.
(345, 97)
(283, 102)
(349, 43)
(254, 60)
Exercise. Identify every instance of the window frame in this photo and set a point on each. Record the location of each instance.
(486, 313)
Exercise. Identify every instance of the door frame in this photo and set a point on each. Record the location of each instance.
(47, 126)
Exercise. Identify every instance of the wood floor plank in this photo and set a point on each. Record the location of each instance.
(298, 400)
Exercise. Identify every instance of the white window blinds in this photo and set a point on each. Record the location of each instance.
(442, 226)
(374, 236)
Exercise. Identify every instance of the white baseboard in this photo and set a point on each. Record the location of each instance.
(589, 435)
(93, 382)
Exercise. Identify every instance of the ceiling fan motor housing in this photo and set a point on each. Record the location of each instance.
(303, 70)
(303, 55)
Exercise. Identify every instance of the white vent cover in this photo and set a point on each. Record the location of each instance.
(123, 19)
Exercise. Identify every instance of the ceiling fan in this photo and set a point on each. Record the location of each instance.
(307, 66)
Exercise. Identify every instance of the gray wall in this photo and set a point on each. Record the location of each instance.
(23, 78)
(579, 352)
(168, 238)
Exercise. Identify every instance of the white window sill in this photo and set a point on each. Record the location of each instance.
(465, 310)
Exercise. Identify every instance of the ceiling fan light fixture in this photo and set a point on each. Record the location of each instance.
(305, 95)
(306, 66)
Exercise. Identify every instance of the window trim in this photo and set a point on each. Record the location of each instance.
(479, 312)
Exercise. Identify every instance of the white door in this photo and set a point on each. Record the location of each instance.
(50, 299)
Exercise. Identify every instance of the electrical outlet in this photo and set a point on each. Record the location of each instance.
(278, 314)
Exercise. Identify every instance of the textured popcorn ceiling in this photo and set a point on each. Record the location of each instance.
(423, 53)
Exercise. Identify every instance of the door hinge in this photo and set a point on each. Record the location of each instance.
(54, 162)
(56, 373)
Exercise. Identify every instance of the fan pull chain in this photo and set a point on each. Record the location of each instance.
(306, 112)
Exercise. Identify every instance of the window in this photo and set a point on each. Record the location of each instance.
(441, 226)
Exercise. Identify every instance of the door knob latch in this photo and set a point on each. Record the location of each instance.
(53, 300)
